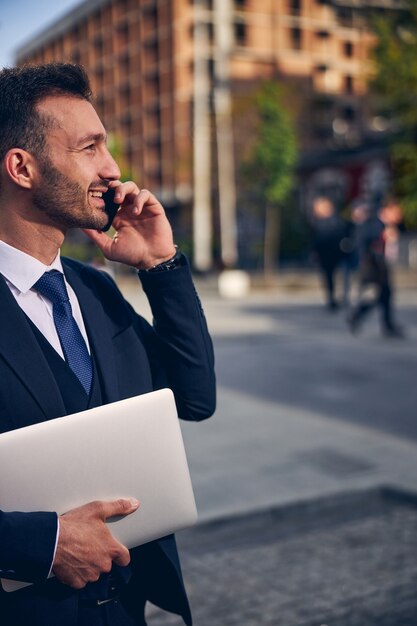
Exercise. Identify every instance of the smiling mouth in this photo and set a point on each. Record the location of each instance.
(98, 201)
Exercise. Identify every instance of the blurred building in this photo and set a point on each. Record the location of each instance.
(165, 72)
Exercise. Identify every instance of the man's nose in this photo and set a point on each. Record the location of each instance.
(109, 169)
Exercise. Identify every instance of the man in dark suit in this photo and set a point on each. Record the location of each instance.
(69, 341)
(329, 230)
(374, 272)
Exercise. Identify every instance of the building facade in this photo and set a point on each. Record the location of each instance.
(146, 59)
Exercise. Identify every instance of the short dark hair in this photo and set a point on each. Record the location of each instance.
(21, 89)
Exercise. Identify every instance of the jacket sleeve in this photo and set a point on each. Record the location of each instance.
(27, 545)
(179, 344)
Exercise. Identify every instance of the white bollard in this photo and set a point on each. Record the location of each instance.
(234, 284)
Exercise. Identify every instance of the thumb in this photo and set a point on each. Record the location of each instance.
(122, 506)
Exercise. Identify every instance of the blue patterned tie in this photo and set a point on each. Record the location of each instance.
(52, 286)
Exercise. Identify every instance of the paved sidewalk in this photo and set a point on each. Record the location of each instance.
(305, 519)
(294, 528)
(344, 561)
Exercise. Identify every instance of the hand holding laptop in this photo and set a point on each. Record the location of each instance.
(86, 548)
(131, 448)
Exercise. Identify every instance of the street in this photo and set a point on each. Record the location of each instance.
(288, 349)
(305, 478)
(305, 409)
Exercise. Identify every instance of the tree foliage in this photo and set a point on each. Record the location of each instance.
(117, 150)
(395, 82)
(269, 160)
(273, 151)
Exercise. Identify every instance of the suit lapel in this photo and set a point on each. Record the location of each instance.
(20, 349)
(97, 329)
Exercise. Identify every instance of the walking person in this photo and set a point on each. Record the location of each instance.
(328, 232)
(375, 288)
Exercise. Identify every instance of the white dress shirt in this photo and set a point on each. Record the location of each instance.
(21, 271)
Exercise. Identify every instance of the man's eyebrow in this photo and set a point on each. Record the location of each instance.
(92, 137)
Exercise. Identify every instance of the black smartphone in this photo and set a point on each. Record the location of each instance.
(110, 207)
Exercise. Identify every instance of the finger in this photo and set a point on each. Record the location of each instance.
(141, 200)
(135, 205)
(115, 183)
(124, 190)
(101, 240)
(123, 506)
(121, 556)
(146, 198)
(76, 582)
(135, 198)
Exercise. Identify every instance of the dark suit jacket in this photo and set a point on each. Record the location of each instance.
(132, 358)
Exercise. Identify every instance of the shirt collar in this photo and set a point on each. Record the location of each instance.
(21, 269)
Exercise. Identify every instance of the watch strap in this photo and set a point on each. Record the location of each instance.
(176, 261)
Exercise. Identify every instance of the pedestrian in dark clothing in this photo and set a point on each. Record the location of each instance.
(374, 272)
(349, 261)
(328, 232)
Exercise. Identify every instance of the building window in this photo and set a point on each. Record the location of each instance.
(125, 91)
(99, 45)
(123, 34)
(210, 31)
(294, 7)
(348, 84)
(124, 60)
(75, 56)
(296, 38)
(123, 6)
(99, 70)
(208, 4)
(126, 121)
(348, 49)
(100, 104)
(150, 18)
(240, 33)
(129, 152)
(345, 16)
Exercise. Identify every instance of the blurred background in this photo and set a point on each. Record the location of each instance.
(281, 136)
(189, 92)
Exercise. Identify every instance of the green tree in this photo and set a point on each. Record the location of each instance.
(269, 162)
(395, 84)
(117, 150)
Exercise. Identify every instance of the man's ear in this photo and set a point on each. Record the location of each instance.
(21, 167)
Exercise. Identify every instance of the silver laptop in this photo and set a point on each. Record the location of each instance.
(129, 448)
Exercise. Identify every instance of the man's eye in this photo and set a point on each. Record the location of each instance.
(91, 146)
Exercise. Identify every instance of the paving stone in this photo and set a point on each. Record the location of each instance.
(347, 562)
